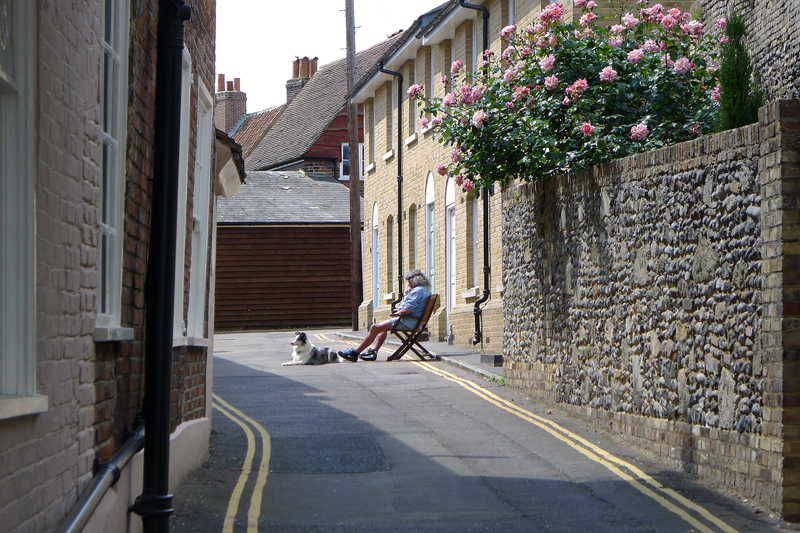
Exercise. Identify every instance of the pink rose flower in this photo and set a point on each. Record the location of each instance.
(591, 4)
(424, 123)
(443, 79)
(668, 22)
(547, 62)
(456, 66)
(551, 13)
(675, 13)
(639, 132)
(634, 56)
(577, 88)
(416, 90)
(724, 39)
(692, 27)
(588, 18)
(449, 99)
(616, 29)
(722, 23)
(508, 30)
(441, 169)
(587, 128)
(459, 179)
(630, 21)
(468, 185)
(455, 154)
(488, 52)
(509, 75)
(551, 82)
(682, 65)
(580, 3)
(565, 101)
(650, 46)
(715, 93)
(436, 122)
(615, 40)
(608, 74)
(478, 118)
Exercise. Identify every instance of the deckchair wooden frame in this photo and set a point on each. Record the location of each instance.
(410, 338)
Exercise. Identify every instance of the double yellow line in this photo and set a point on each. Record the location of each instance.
(666, 497)
(635, 477)
(254, 512)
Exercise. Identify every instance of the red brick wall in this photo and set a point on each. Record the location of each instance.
(119, 367)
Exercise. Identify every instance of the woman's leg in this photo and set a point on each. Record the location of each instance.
(377, 333)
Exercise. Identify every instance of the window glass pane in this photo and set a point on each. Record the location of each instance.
(7, 68)
(109, 22)
(345, 168)
(345, 151)
(105, 185)
(108, 87)
(104, 274)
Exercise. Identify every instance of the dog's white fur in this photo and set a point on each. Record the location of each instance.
(305, 353)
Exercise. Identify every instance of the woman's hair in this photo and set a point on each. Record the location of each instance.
(416, 279)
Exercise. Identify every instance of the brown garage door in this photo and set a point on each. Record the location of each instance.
(282, 277)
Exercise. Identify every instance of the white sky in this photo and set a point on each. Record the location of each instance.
(257, 40)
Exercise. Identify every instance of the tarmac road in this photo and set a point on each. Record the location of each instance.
(413, 446)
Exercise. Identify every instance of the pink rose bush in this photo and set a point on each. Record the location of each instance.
(566, 95)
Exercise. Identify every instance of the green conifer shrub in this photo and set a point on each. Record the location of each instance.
(740, 94)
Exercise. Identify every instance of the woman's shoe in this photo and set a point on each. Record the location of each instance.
(351, 355)
(369, 355)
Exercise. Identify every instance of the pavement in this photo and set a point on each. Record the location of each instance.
(472, 361)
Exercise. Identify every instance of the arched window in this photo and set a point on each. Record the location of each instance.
(390, 254)
(430, 230)
(450, 244)
(376, 263)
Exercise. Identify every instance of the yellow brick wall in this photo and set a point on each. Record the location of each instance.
(421, 154)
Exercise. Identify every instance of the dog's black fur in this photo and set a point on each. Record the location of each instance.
(305, 353)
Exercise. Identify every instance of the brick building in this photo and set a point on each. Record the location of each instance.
(77, 136)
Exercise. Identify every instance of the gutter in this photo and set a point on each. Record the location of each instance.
(154, 505)
(485, 198)
(399, 179)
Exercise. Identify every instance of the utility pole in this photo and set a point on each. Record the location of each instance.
(355, 168)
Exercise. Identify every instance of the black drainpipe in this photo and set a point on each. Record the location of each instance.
(399, 77)
(155, 503)
(486, 268)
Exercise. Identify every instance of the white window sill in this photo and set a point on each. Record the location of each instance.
(411, 139)
(189, 341)
(347, 178)
(500, 289)
(473, 292)
(370, 167)
(388, 155)
(427, 130)
(14, 406)
(389, 297)
(112, 334)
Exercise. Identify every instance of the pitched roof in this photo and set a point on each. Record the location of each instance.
(286, 197)
(303, 120)
(252, 127)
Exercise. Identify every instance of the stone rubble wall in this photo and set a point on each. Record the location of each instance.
(641, 296)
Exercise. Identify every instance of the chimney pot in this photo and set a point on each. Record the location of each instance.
(304, 67)
(313, 66)
(220, 82)
(230, 85)
(296, 68)
(236, 84)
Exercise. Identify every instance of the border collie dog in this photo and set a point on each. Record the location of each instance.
(305, 353)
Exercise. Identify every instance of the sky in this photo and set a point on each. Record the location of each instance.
(257, 40)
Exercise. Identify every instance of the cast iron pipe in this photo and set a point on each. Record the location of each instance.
(155, 503)
(399, 181)
(106, 476)
(485, 197)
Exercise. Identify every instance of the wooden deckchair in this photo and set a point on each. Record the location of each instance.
(409, 338)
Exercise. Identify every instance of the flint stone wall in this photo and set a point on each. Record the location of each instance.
(655, 296)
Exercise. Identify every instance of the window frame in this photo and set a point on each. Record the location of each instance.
(112, 168)
(342, 159)
(18, 389)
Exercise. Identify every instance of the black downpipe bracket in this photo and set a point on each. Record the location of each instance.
(485, 198)
(399, 182)
(155, 503)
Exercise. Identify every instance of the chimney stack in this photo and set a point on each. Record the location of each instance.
(231, 104)
(303, 69)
